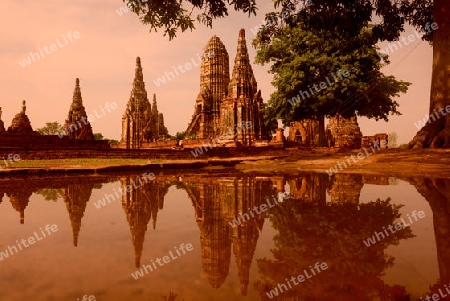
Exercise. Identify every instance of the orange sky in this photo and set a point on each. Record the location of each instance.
(103, 57)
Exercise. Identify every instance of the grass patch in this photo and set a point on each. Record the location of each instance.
(81, 162)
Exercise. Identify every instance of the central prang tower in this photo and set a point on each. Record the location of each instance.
(228, 108)
(214, 80)
(141, 122)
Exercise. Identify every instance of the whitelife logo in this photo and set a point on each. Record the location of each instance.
(49, 49)
(429, 27)
(170, 75)
(11, 158)
(435, 115)
(165, 259)
(436, 297)
(263, 207)
(319, 267)
(397, 227)
(359, 156)
(229, 136)
(88, 298)
(31, 240)
(321, 86)
(73, 127)
(128, 188)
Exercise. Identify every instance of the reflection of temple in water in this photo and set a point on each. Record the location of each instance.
(345, 188)
(76, 195)
(218, 201)
(310, 188)
(19, 200)
(76, 192)
(141, 204)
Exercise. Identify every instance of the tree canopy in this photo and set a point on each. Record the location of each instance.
(324, 59)
(51, 128)
(172, 15)
(348, 18)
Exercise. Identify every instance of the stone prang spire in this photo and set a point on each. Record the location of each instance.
(243, 81)
(77, 125)
(140, 121)
(225, 107)
(214, 79)
(2, 125)
(20, 123)
(241, 112)
(138, 111)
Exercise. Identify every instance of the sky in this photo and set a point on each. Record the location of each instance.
(93, 42)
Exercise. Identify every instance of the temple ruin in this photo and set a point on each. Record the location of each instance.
(2, 125)
(214, 80)
(304, 132)
(77, 125)
(20, 123)
(141, 121)
(224, 107)
(344, 132)
(340, 132)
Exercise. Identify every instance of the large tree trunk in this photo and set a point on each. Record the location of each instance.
(437, 193)
(436, 133)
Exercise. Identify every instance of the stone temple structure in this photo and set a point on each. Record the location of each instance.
(20, 123)
(77, 125)
(214, 80)
(340, 132)
(304, 132)
(141, 121)
(224, 105)
(344, 132)
(2, 125)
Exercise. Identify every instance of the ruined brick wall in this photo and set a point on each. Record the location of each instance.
(344, 132)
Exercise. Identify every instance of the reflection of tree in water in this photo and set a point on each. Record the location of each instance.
(333, 234)
(437, 194)
(172, 297)
(50, 194)
(53, 194)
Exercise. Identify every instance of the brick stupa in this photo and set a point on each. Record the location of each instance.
(20, 123)
(2, 125)
(77, 125)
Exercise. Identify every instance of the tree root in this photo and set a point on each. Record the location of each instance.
(433, 135)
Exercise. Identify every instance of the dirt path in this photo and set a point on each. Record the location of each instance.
(393, 162)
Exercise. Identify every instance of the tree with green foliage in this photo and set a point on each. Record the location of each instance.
(50, 194)
(98, 136)
(172, 15)
(179, 136)
(51, 128)
(392, 140)
(325, 63)
(113, 142)
(388, 17)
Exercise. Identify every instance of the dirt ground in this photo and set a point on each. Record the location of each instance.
(392, 162)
